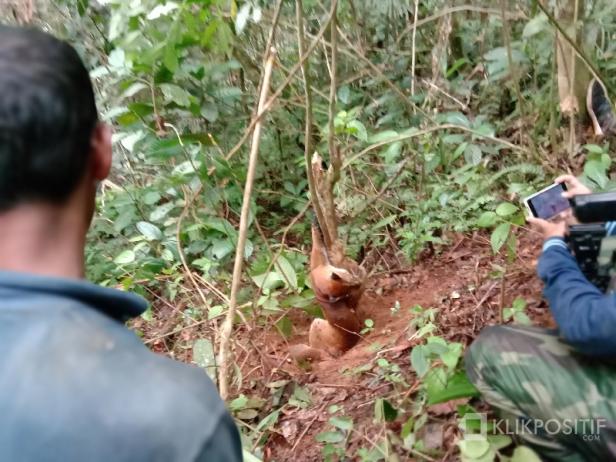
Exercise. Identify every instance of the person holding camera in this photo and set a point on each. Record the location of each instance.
(75, 384)
(557, 387)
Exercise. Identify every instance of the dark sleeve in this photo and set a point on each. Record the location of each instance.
(224, 445)
(585, 316)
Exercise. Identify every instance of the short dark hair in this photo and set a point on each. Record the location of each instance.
(47, 117)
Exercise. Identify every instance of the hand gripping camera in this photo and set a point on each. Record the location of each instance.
(594, 249)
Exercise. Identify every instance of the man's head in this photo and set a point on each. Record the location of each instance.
(49, 128)
(53, 153)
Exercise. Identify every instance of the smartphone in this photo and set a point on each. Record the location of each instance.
(548, 202)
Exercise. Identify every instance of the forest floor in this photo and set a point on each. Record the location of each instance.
(459, 282)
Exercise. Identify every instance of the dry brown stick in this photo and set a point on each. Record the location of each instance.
(413, 49)
(227, 327)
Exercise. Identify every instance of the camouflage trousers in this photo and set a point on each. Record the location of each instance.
(558, 402)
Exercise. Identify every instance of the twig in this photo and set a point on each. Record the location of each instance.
(413, 48)
(486, 295)
(308, 140)
(334, 155)
(227, 327)
(300, 437)
(462, 105)
(572, 95)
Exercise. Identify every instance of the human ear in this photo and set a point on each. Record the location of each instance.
(100, 153)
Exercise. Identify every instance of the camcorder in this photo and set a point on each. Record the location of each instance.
(594, 250)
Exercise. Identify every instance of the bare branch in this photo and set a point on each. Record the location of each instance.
(227, 327)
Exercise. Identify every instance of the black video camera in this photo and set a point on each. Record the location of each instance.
(594, 250)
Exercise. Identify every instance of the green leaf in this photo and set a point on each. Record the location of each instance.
(342, 423)
(248, 457)
(519, 304)
(487, 219)
(344, 94)
(287, 272)
(499, 442)
(382, 136)
(330, 437)
(268, 281)
(209, 111)
(474, 449)
(221, 248)
(150, 231)
(524, 454)
(204, 356)
(522, 318)
(473, 154)
(596, 171)
(175, 94)
(458, 386)
(151, 198)
(594, 149)
(499, 236)
(457, 118)
(170, 58)
(459, 150)
(238, 403)
(505, 209)
(126, 257)
(419, 361)
(384, 411)
(133, 90)
(268, 421)
(357, 129)
(285, 326)
(508, 313)
(538, 24)
(302, 394)
(452, 356)
(160, 212)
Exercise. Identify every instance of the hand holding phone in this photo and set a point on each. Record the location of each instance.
(548, 202)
